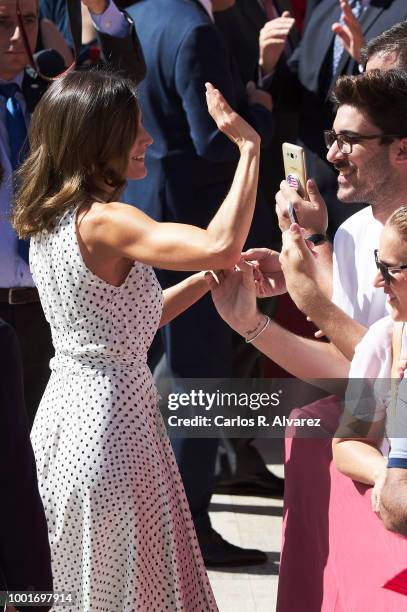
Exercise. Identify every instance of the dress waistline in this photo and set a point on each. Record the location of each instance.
(66, 364)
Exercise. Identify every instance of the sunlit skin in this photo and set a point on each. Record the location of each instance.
(13, 57)
(136, 168)
(393, 252)
(382, 61)
(369, 169)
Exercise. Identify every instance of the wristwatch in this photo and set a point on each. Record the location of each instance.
(317, 238)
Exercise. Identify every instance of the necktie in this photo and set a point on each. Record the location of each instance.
(17, 134)
(357, 9)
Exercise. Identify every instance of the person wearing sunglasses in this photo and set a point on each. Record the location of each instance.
(364, 459)
(375, 172)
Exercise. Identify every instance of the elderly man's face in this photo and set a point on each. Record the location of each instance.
(13, 57)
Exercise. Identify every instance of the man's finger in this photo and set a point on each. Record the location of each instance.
(315, 196)
(340, 31)
(259, 254)
(294, 237)
(210, 279)
(247, 274)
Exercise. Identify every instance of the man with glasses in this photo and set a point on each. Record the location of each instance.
(368, 149)
(331, 46)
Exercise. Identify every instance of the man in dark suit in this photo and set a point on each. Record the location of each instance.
(190, 168)
(306, 80)
(20, 91)
(25, 558)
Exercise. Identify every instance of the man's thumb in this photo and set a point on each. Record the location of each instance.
(313, 192)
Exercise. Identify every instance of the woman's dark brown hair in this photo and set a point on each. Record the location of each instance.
(81, 134)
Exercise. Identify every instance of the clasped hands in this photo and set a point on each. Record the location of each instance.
(264, 273)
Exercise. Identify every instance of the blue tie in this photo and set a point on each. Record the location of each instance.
(357, 9)
(17, 135)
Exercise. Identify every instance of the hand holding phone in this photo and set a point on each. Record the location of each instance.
(295, 170)
(291, 213)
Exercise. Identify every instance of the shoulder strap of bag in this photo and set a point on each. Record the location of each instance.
(75, 24)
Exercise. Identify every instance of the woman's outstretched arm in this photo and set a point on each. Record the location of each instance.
(122, 231)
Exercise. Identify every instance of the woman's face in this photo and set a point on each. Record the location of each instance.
(136, 168)
(393, 253)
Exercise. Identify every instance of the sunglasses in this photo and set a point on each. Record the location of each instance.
(387, 271)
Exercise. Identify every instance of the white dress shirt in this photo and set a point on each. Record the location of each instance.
(207, 4)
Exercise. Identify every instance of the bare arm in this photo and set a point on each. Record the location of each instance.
(360, 459)
(234, 295)
(393, 506)
(300, 267)
(120, 231)
(343, 331)
(304, 358)
(181, 296)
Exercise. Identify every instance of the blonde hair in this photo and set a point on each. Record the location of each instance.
(398, 220)
(81, 132)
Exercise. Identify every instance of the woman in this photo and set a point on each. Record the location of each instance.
(120, 529)
(365, 459)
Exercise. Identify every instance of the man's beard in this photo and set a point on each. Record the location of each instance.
(377, 182)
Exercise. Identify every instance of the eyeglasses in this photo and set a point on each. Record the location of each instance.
(346, 141)
(387, 271)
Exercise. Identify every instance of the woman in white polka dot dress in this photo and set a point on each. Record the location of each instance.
(120, 530)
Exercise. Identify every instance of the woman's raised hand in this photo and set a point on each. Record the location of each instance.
(228, 121)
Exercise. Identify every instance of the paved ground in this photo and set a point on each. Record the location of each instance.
(252, 522)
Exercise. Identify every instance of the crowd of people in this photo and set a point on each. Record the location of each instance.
(159, 156)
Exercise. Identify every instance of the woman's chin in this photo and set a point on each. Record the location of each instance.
(138, 174)
(396, 315)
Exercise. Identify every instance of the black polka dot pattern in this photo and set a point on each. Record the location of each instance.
(120, 529)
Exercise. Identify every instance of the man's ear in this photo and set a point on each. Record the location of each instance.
(400, 151)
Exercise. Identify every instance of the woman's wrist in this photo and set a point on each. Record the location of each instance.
(250, 147)
(253, 326)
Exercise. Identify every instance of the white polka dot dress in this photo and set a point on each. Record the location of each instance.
(120, 529)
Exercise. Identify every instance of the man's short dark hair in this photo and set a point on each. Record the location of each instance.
(392, 41)
(381, 95)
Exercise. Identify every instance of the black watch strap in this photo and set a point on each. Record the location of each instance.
(317, 238)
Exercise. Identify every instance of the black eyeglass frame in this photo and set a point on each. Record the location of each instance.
(345, 142)
(385, 270)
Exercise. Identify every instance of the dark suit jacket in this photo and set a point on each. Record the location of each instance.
(122, 54)
(191, 164)
(25, 560)
(308, 81)
(241, 24)
(241, 27)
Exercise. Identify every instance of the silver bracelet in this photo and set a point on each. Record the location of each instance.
(259, 332)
